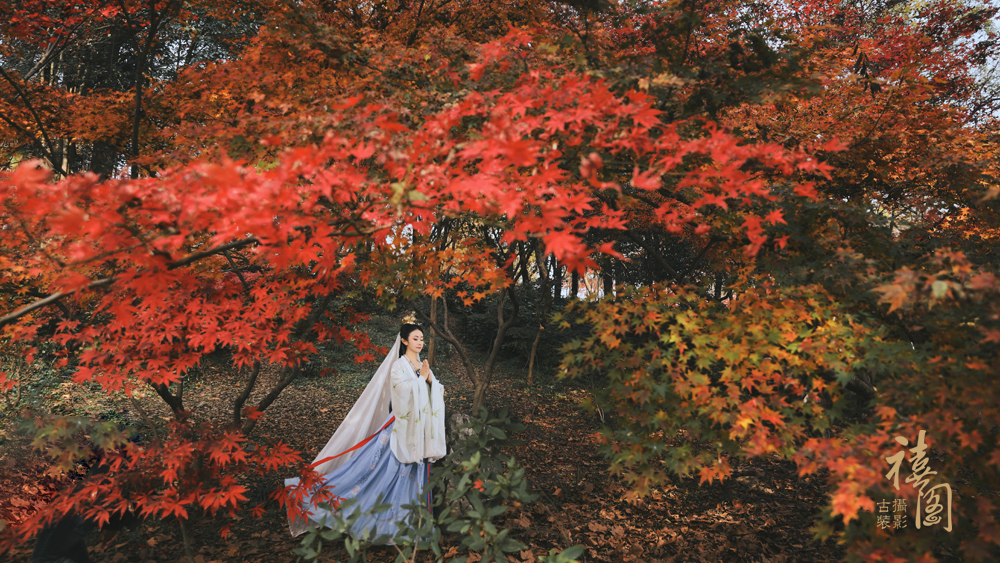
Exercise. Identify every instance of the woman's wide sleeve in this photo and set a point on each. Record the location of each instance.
(418, 432)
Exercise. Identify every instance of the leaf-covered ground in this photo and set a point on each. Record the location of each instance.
(762, 515)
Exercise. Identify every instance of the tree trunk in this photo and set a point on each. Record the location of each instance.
(140, 69)
(241, 399)
(543, 313)
(608, 283)
(433, 345)
(534, 349)
(479, 382)
(187, 542)
(445, 331)
(574, 287)
(443, 228)
(525, 255)
(289, 375)
(557, 280)
(480, 395)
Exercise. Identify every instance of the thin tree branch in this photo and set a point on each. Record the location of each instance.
(145, 417)
(239, 274)
(504, 325)
(856, 384)
(51, 299)
(199, 255)
(38, 120)
(711, 241)
(446, 333)
(59, 304)
(22, 130)
(416, 29)
(53, 51)
(654, 254)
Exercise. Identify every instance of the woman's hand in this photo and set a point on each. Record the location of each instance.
(425, 371)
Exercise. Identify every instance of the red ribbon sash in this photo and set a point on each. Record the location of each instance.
(359, 444)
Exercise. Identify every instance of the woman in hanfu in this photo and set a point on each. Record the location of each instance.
(375, 451)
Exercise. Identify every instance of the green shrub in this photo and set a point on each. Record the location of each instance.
(473, 486)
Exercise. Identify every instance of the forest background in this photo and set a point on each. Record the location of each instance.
(752, 231)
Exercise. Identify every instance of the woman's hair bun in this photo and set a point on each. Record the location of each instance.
(410, 319)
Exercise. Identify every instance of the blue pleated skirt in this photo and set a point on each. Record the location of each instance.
(373, 470)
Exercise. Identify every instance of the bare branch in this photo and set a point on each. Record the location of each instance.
(173, 401)
(239, 274)
(245, 394)
(655, 255)
(445, 332)
(51, 299)
(292, 374)
(711, 241)
(200, 255)
(145, 417)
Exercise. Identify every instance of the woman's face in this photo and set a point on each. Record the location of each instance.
(415, 341)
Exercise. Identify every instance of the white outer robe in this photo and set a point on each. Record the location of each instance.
(418, 433)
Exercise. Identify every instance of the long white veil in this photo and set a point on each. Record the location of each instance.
(365, 418)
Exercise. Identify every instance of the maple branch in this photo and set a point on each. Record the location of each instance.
(293, 373)
(62, 307)
(42, 61)
(239, 274)
(145, 417)
(245, 394)
(180, 389)
(199, 255)
(136, 232)
(543, 312)
(329, 51)
(655, 255)
(52, 51)
(106, 254)
(51, 299)
(310, 321)
(175, 403)
(875, 125)
(643, 199)
(504, 326)
(445, 332)
(47, 146)
(687, 39)
(711, 241)
(185, 540)
(416, 26)
(34, 241)
(125, 12)
(672, 195)
(22, 130)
